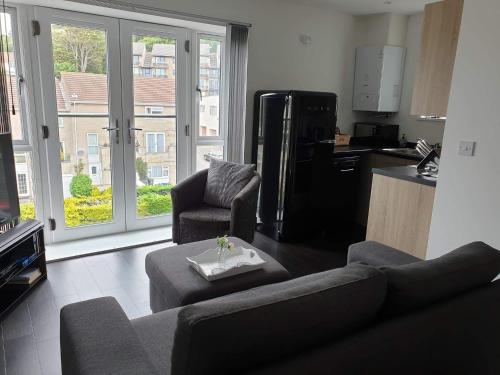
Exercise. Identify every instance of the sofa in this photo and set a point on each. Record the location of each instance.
(386, 312)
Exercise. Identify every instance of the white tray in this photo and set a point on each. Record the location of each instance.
(238, 260)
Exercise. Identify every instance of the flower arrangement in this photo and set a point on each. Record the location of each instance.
(223, 245)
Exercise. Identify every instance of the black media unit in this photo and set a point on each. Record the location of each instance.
(22, 250)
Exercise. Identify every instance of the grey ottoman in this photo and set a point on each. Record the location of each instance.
(173, 283)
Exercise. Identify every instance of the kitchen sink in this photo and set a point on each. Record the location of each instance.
(403, 151)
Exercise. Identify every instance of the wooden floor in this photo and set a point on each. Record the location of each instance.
(30, 333)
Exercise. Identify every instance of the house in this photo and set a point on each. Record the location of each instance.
(236, 187)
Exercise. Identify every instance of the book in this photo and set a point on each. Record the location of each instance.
(27, 277)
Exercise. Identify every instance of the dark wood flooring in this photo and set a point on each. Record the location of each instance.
(30, 333)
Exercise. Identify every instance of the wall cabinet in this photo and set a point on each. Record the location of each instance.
(378, 78)
(441, 27)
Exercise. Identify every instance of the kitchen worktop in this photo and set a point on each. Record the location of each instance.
(352, 149)
(407, 173)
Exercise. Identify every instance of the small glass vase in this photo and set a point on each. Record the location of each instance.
(221, 253)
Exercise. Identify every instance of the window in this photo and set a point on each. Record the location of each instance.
(146, 72)
(173, 72)
(22, 184)
(213, 110)
(155, 143)
(60, 122)
(63, 151)
(92, 144)
(202, 108)
(137, 71)
(93, 170)
(160, 72)
(159, 60)
(204, 84)
(158, 171)
(136, 59)
(203, 72)
(153, 110)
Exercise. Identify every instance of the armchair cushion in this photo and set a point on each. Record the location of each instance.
(204, 222)
(225, 180)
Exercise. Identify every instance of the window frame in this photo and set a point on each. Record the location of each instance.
(155, 134)
(96, 145)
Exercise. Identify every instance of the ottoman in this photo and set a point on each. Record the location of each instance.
(173, 283)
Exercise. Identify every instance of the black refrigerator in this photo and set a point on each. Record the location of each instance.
(291, 128)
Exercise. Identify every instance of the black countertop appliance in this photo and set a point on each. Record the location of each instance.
(375, 134)
(291, 127)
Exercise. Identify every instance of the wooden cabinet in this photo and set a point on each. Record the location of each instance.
(440, 31)
(400, 214)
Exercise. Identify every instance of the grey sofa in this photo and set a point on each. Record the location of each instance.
(193, 220)
(408, 317)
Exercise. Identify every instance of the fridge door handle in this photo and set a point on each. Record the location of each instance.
(285, 154)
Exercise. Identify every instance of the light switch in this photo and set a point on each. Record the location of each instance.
(466, 148)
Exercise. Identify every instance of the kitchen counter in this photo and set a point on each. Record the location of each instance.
(341, 150)
(407, 173)
(351, 149)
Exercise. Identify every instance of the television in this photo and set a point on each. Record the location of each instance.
(9, 201)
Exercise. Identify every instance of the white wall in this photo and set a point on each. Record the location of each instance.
(277, 59)
(467, 203)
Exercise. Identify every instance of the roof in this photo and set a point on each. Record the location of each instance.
(163, 50)
(93, 88)
(138, 48)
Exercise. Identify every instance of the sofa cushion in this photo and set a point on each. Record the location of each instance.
(204, 222)
(225, 180)
(234, 333)
(419, 284)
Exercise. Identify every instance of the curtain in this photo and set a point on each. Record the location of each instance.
(4, 96)
(237, 89)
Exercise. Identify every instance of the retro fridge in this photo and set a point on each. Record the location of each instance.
(292, 128)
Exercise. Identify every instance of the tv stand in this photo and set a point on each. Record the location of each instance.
(22, 250)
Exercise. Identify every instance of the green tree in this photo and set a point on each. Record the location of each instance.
(142, 169)
(149, 41)
(78, 49)
(81, 186)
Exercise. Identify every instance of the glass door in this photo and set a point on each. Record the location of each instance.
(155, 111)
(81, 88)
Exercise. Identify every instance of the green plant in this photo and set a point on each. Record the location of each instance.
(153, 204)
(27, 211)
(81, 186)
(154, 189)
(142, 169)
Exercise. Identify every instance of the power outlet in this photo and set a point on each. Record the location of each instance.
(466, 148)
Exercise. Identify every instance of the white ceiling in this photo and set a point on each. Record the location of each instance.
(359, 7)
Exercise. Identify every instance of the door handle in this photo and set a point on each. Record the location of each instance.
(347, 170)
(115, 129)
(130, 130)
(199, 92)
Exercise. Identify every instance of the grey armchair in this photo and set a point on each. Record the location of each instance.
(194, 220)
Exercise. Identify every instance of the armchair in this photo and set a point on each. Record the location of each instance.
(194, 220)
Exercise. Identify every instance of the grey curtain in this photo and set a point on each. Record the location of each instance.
(237, 89)
(4, 96)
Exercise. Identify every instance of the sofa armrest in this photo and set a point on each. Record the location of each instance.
(187, 194)
(97, 338)
(244, 210)
(377, 254)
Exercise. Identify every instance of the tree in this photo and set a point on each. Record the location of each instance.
(79, 49)
(81, 186)
(142, 169)
(149, 41)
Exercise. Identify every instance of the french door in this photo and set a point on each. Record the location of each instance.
(115, 105)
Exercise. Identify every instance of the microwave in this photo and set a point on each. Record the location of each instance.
(375, 134)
